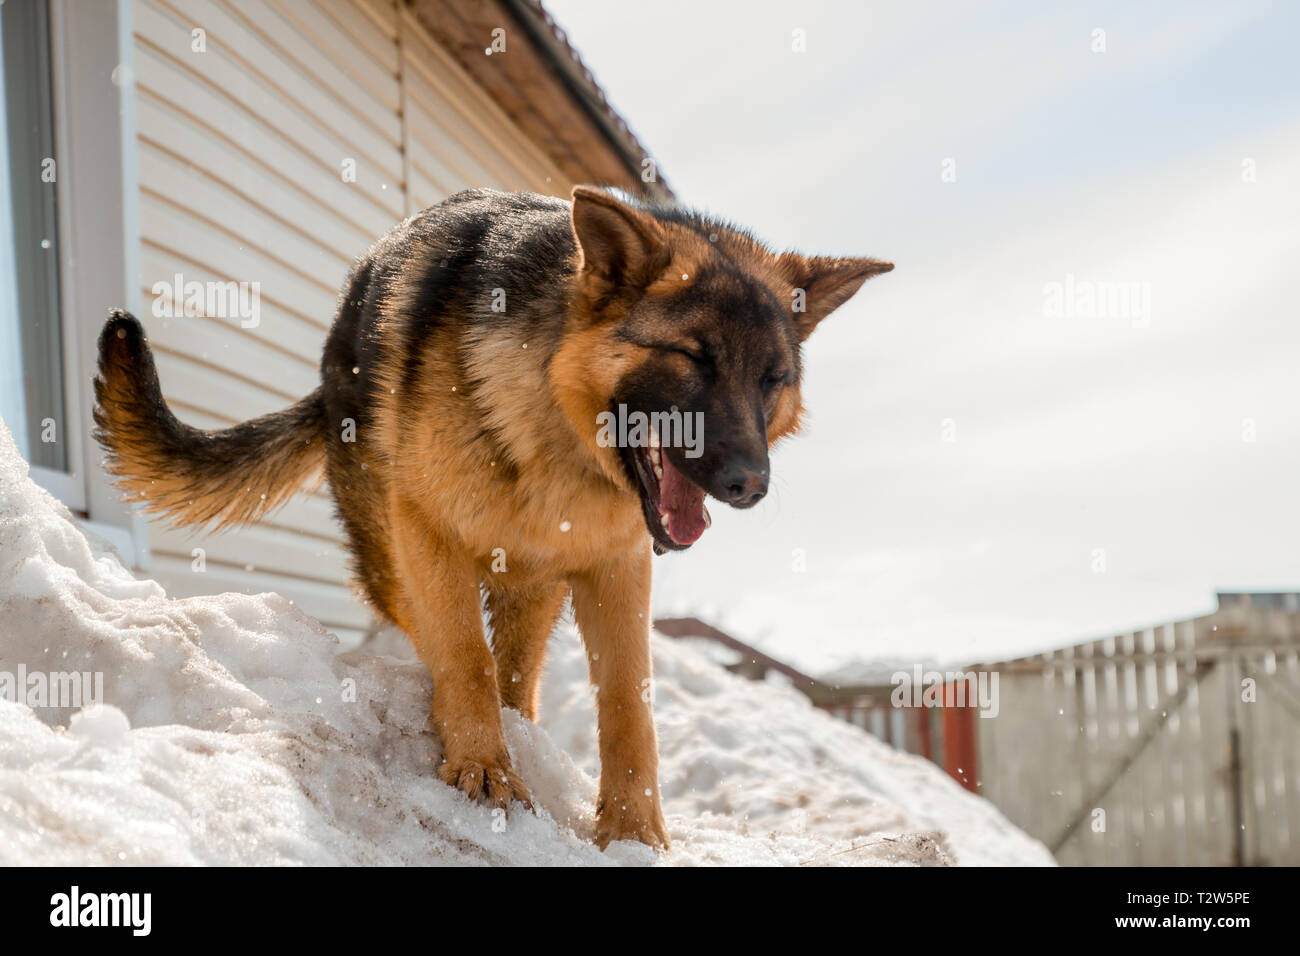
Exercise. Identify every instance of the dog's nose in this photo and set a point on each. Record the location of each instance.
(745, 486)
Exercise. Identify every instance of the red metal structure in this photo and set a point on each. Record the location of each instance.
(961, 748)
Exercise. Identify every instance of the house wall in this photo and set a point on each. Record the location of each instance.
(240, 151)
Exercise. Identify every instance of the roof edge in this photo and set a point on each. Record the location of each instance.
(552, 41)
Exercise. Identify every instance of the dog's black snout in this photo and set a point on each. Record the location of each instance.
(745, 486)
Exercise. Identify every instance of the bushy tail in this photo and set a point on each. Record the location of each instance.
(225, 477)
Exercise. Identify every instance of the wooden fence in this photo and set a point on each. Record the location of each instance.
(1173, 745)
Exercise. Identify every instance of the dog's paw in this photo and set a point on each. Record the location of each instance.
(493, 782)
(627, 819)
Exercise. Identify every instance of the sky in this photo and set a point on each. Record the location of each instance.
(1074, 407)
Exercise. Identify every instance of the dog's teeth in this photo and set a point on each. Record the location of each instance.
(708, 521)
(654, 439)
(659, 473)
(663, 520)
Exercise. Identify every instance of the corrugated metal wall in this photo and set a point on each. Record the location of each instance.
(241, 152)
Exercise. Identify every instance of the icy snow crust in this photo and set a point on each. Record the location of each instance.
(234, 732)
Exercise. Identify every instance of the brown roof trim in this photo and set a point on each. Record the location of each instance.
(582, 84)
(544, 87)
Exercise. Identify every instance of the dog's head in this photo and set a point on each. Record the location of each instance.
(681, 365)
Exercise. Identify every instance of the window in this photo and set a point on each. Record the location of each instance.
(32, 396)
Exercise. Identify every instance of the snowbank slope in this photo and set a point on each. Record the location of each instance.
(235, 733)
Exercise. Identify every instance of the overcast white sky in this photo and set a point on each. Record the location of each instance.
(1072, 433)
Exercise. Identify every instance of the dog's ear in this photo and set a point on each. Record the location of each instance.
(824, 283)
(618, 242)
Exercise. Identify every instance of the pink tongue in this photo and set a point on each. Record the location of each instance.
(683, 500)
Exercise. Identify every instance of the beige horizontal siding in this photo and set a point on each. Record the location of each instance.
(225, 348)
(453, 122)
(336, 58)
(165, 35)
(209, 237)
(333, 606)
(182, 185)
(286, 332)
(240, 155)
(262, 548)
(219, 122)
(382, 13)
(375, 37)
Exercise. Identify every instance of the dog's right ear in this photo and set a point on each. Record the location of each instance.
(617, 242)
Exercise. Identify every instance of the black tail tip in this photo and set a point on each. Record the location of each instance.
(123, 336)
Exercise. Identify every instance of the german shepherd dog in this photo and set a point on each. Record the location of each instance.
(467, 387)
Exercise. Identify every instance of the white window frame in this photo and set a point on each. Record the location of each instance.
(67, 484)
(92, 61)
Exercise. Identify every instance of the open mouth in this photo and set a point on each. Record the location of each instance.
(673, 504)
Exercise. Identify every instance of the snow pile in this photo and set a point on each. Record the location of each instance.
(758, 759)
(233, 732)
(878, 672)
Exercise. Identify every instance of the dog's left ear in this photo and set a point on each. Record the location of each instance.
(824, 283)
(619, 243)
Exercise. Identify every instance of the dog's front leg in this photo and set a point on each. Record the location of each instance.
(522, 621)
(443, 618)
(612, 606)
